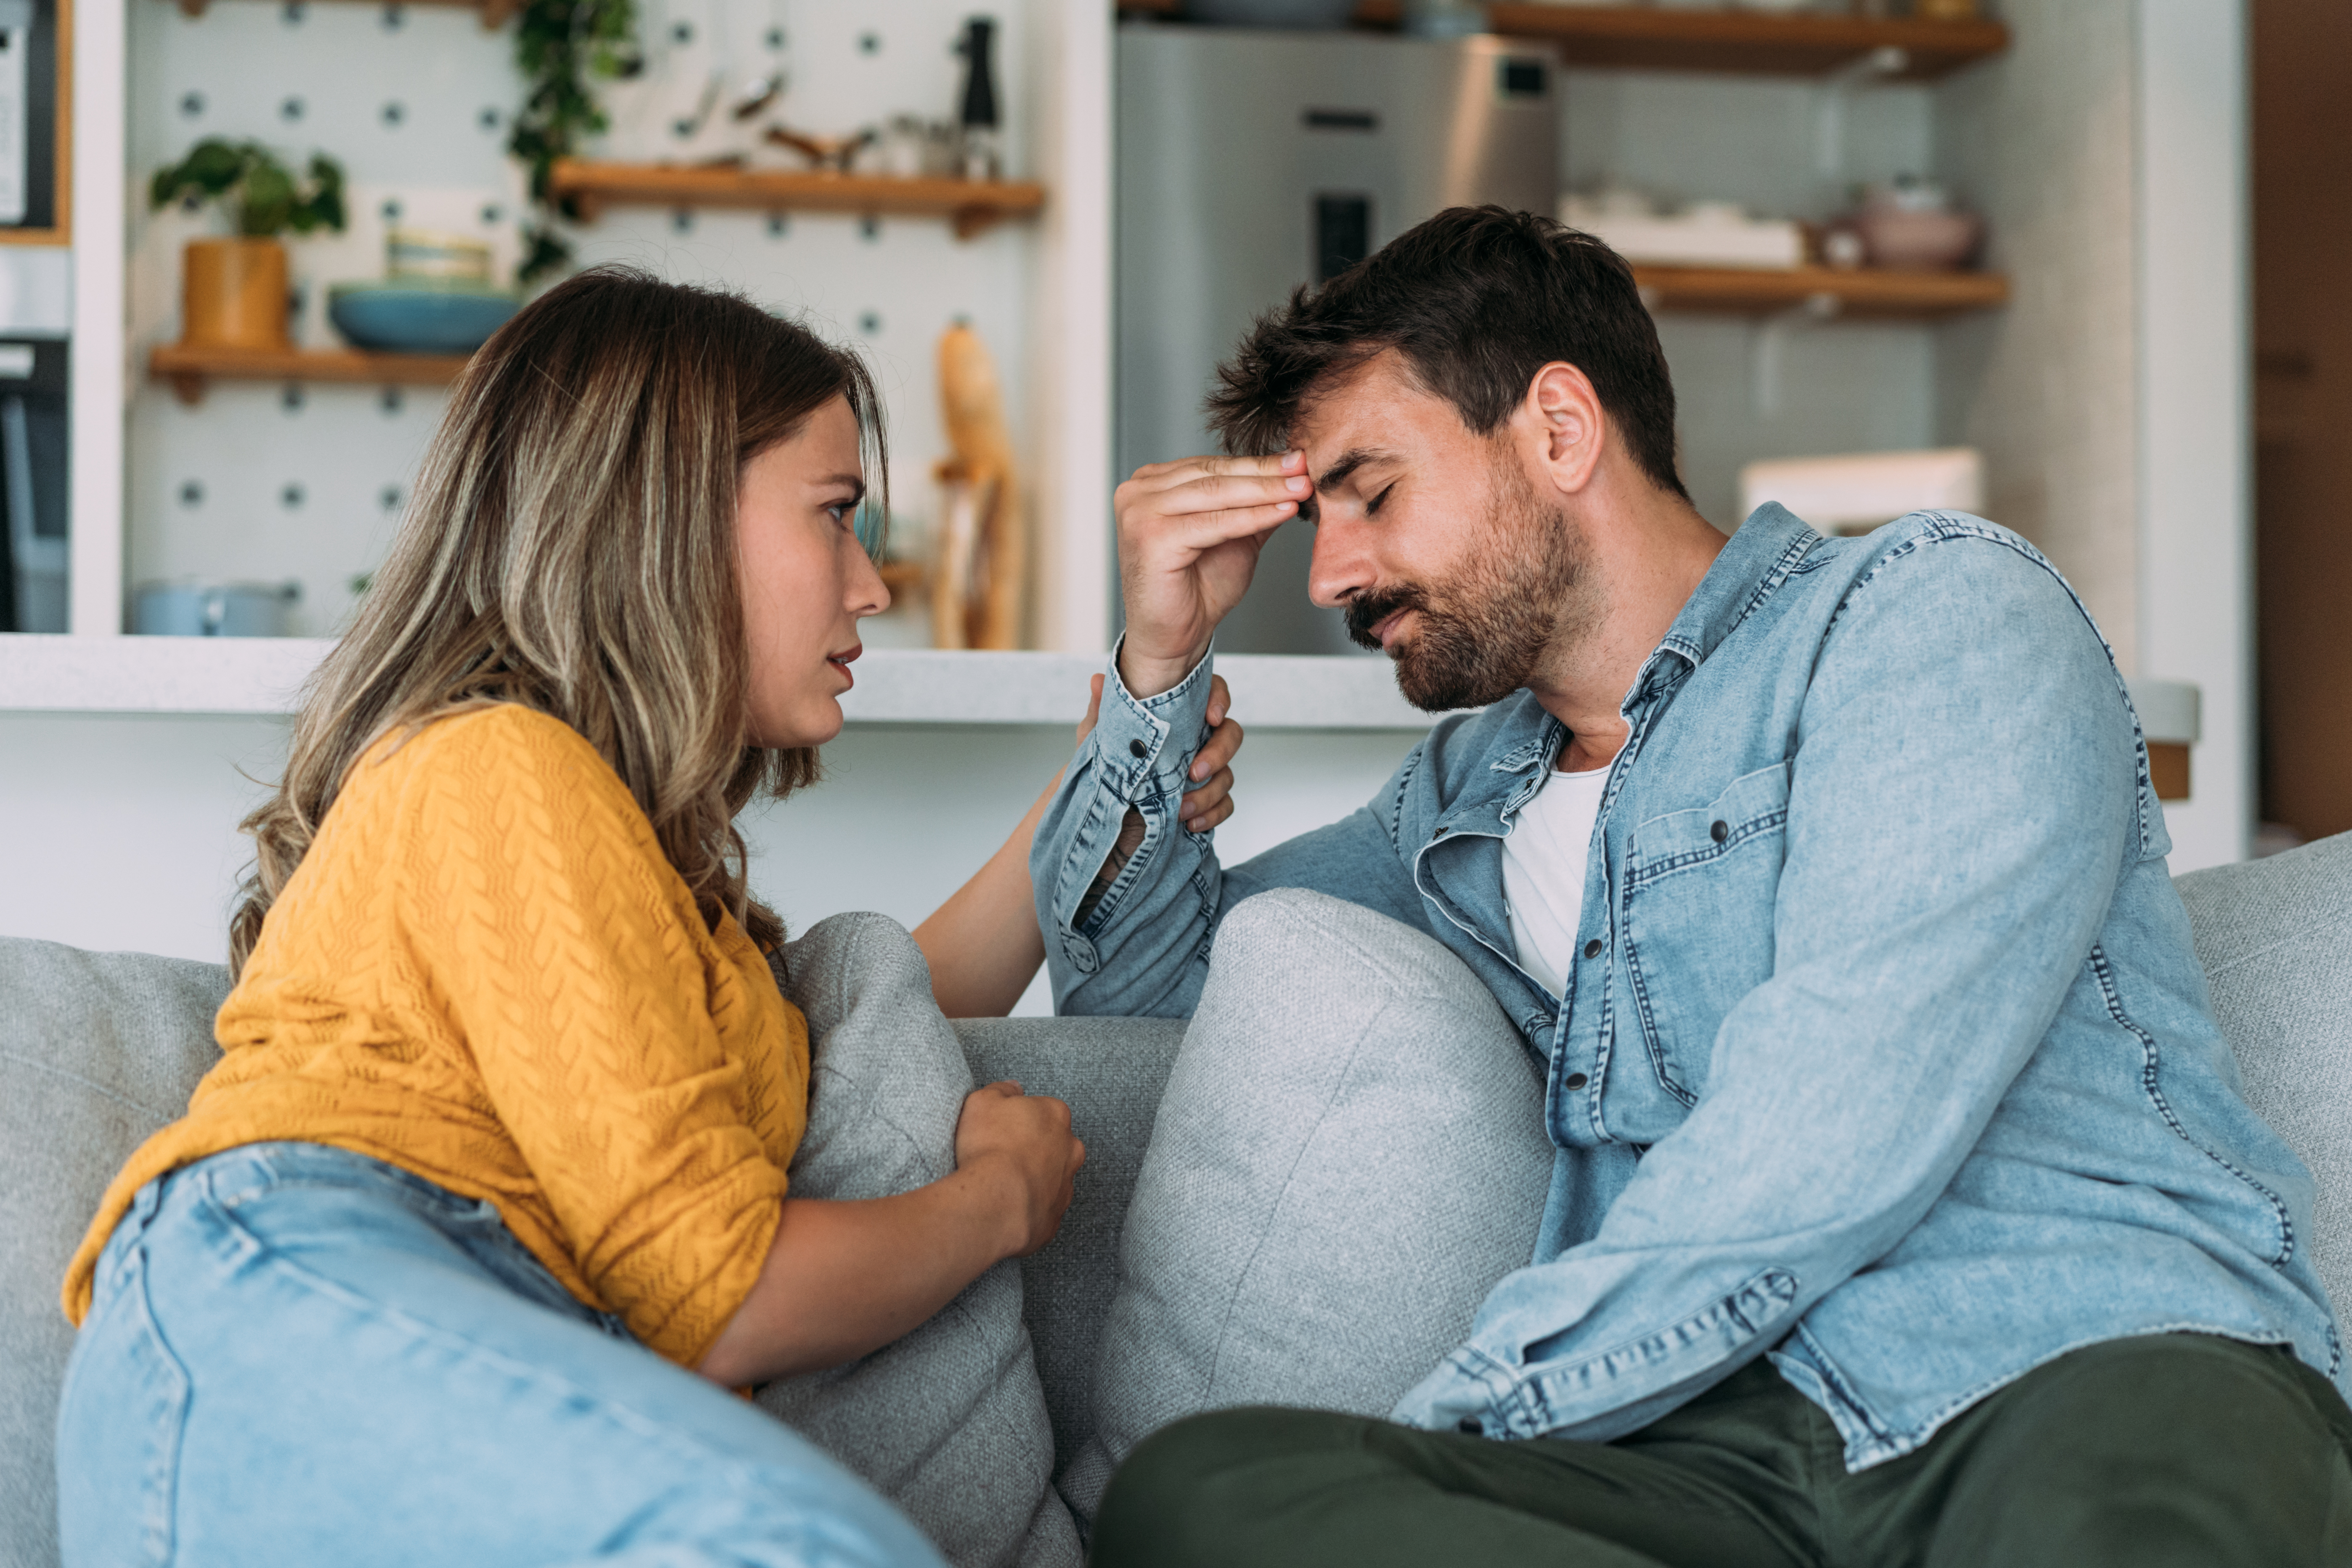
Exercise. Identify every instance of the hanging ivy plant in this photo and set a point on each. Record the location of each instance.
(560, 46)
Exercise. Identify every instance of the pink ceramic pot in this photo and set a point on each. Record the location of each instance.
(1918, 241)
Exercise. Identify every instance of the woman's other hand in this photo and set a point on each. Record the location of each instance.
(1208, 799)
(1025, 1140)
(844, 1277)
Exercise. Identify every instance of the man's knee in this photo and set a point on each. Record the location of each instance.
(2160, 1448)
(1188, 1492)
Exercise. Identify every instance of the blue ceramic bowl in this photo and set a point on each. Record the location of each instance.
(420, 315)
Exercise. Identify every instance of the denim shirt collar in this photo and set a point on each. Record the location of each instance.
(1751, 565)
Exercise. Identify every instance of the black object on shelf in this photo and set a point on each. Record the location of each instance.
(34, 565)
(981, 156)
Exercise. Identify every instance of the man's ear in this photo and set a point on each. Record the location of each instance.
(1562, 426)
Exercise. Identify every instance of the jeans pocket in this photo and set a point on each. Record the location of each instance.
(119, 1429)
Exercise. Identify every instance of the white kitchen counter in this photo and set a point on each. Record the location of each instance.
(895, 686)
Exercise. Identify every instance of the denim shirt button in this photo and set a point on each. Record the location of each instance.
(1592, 948)
(1081, 952)
(1575, 1080)
(1471, 1425)
(1718, 831)
(1138, 749)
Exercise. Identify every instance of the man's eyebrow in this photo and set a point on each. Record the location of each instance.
(1347, 463)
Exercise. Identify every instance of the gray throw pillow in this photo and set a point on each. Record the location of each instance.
(97, 1051)
(2275, 937)
(949, 1422)
(1111, 1073)
(1349, 1154)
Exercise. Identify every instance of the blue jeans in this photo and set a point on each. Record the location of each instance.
(300, 1356)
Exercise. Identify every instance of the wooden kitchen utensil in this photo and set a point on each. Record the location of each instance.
(980, 560)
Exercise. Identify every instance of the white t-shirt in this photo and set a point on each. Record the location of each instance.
(1543, 873)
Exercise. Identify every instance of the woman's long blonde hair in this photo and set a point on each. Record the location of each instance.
(570, 547)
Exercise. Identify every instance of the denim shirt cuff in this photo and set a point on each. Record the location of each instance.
(1144, 746)
(1136, 756)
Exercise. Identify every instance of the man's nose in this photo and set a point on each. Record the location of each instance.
(1340, 568)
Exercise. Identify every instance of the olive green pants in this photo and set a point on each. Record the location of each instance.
(2143, 1453)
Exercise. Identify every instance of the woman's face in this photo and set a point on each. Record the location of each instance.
(807, 580)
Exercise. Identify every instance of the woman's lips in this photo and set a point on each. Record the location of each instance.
(840, 661)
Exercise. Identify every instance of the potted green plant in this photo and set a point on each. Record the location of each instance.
(234, 291)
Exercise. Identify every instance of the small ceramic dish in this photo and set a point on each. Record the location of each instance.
(420, 315)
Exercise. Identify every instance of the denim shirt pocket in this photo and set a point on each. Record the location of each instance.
(1699, 890)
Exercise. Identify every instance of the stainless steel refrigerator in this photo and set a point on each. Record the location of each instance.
(1250, 161)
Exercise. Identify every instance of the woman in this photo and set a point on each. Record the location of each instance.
(508, 1092)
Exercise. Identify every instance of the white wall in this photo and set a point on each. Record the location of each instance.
(2041, 138)
(2196, 531)
(122, 832)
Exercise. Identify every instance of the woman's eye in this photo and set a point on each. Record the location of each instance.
(841, 510)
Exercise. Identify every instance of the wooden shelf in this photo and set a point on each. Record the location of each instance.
(1754, 43)
(1869, 291)
(190, 369)
(494, 12)
(974, 206)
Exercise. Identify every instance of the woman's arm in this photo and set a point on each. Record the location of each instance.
(845, 1278)
(983, 945)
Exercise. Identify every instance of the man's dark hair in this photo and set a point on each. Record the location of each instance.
(1477, 300)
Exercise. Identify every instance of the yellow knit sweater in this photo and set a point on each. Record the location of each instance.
(486, 971)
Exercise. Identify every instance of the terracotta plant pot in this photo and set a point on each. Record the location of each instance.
(233, 294)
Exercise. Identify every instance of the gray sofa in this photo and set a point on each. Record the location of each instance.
(99, 1050)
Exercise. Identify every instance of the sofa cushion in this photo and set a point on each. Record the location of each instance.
(950, 1422)
(97, 1051)
(2275, 939)
(1111, 1071)
(1351, 1153)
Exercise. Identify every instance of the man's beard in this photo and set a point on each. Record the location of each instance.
(1477, 638)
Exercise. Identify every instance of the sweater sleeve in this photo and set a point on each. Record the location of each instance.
(539, 907)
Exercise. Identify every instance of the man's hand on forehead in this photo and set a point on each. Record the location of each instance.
(1189, 534)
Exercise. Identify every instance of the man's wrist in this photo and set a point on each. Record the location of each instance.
(1146, 678)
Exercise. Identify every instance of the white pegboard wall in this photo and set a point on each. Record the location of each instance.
(270, 483)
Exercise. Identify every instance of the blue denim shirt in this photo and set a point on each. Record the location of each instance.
(1886, 1054)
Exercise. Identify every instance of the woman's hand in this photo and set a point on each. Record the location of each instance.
(844, 1279)
(1024, 1140)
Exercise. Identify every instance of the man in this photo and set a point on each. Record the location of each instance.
(1906, 1210)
